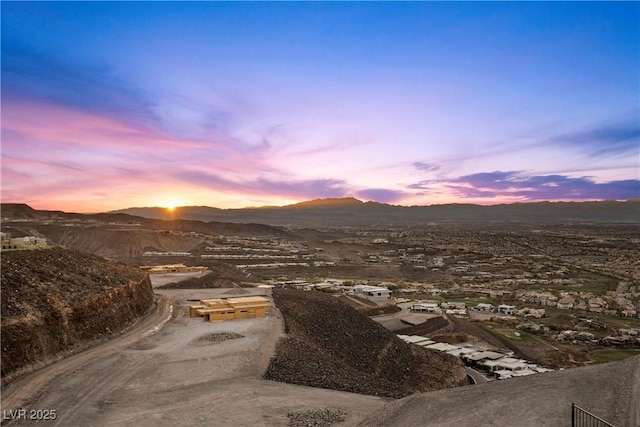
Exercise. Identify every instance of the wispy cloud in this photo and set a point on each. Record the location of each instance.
(541, 187)
(622, 137)
(426, 167)
(292, 188)
(33, 77)
(425, 184)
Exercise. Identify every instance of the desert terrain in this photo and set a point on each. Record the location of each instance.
(172, 370)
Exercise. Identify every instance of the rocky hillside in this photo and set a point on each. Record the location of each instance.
(57, 300)
(124, 245)
(120, 236)
(331, 345)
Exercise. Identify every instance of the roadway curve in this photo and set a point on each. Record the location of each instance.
(26, 389)
(476, 376)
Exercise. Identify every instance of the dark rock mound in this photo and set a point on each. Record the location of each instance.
(331, 345)
(57, 300)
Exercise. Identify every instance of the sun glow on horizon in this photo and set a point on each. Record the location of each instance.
(170, 205)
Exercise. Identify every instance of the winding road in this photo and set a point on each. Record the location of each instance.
(26, 389)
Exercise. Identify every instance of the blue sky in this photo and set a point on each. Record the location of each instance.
(233, 104)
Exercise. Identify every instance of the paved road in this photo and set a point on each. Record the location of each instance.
(477, 376)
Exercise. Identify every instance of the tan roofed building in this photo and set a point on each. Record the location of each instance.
(221, 309)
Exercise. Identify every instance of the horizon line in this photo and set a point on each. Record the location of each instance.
(175, 208)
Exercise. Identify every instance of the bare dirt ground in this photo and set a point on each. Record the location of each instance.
(611, 391)
(165, 371)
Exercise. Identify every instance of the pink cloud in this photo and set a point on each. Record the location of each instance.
(64, 157)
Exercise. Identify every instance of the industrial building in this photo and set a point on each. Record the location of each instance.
(221, 309)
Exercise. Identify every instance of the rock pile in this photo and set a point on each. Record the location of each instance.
(331, 345)
(316, 418)
(221, 336)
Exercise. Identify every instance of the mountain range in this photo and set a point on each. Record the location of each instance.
(354, 212)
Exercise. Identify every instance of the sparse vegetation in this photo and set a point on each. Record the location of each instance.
(514, 334)
(611, 355)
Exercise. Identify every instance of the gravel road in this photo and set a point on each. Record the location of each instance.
(29, 387)
(166, 372)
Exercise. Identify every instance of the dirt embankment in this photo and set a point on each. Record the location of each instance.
(368, 307)
(425, 328)
(331, 345)
(58, 300)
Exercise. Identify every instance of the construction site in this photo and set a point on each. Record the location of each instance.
(221, 309)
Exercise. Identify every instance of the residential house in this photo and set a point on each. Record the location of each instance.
(427, 307)
(484, 307)
(566, 303)
(372, 291)
(507, 309)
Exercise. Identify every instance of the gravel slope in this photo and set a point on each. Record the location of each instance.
(331, 345)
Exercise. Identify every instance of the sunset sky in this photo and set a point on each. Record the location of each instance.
(236, 104)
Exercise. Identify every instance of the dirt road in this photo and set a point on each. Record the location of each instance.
(168, 371)
(25, 389)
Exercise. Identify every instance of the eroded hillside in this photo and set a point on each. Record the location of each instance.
(331, 345)
(118, 243)
(58, 300)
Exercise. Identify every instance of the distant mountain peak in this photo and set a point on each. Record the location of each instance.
(330, 202)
